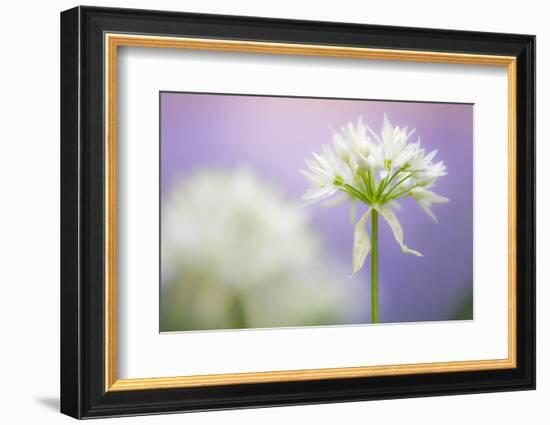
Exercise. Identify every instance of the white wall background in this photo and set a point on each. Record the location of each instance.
(29, 224)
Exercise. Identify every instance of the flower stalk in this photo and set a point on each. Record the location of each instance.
(374, 268)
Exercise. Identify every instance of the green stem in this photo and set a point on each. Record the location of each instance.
(396, 185)
(355, 192)
(400, 194)
(374, 268)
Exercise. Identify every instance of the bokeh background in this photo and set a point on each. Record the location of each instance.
(238, 251)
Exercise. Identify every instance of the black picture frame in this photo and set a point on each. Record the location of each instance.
(83, 392)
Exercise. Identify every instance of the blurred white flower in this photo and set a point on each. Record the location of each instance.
(236, 254)
(377, 171)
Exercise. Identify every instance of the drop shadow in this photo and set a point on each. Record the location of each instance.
(51, 403)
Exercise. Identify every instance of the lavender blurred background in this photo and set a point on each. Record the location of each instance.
(273, 135)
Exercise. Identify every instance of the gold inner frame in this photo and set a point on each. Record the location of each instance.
(113, 41)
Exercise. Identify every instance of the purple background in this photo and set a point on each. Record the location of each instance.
(273, 136)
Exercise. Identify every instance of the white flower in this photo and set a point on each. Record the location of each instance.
(376, 173)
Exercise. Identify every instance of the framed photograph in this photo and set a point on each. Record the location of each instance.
(260, 212)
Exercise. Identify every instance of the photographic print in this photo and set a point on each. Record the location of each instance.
(292, 211)
(349, 191)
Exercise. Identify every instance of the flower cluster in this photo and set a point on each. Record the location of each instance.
(376, 169)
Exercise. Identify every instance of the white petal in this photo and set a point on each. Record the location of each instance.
(395, 226)
(374, 135)
(421, 194)
(372, 162)
(387, 129)
(334, 202)
(426, 198)
(361, 243)
(360, 126)
(410, 133)
(394, 205)
(311, 178)
(404, 155)
(435, 198)
(426, 207)
(430, 156)
(316, 195)
(340, 147)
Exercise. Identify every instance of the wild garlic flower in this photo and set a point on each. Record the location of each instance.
(377, 169)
